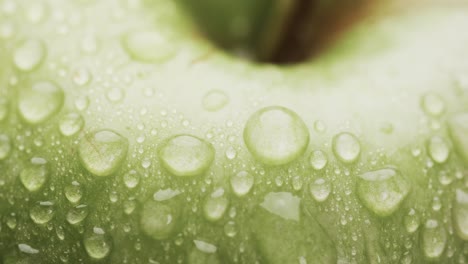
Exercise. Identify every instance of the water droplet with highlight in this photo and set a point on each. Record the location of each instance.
(97, 243)
(77, 214)
(29, 54)
(276, 135)
(433, 239)
(215, 205)
(39, 101)
(131, 179)
(34, 174)
(320, 189)
(382, 191)
(318, 159)
(215, 100)
(71, 124)
(148, 46)
(103, 152)
(73, 192)
(186, 155)
(346, 147)
(433, 104)
(159, 219)
(242, 183)
(25, 248)
(282, 204)
(438, 149)
(411, 221)
(42, 213)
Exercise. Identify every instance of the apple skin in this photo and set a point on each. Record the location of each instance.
(138, 71)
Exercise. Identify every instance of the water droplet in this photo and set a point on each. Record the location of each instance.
(382, 191)
(42, 213)
(40, 101)
(346, 147)
(297, 183)
(103, 152)
(82, 103)
(319, 126)
(230, 229)
(29, 54)
(412, 221)
(131, 179)
(215, 206)
(5, 146)
(166, 194)
(242, 183)
(205, 246)
(276, 135)
(282, 204)
(73, 192)
(320, 189)
(147, 46)
(460, 214)
(77, 214)
(4, 108)
(160, 219)
(97, 244)
(71, 124)
(434, 239)
(318, 159)
(458, 126)
(215, 100)
(231, 153)
(25, 248)
(81, 76)
(34, 174)
(186, 155)
(433, 104)
(438, 149)
(115, 95)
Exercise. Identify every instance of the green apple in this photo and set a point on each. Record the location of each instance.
(125, 137)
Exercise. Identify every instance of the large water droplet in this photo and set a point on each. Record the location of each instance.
(434, 239)
(42, 213)
(214, 100)
(186, 155)
(458, 126)
(215, 206)
(276, 135)
(25, 248)
(147, 46)
(5, 146)
(318, 159)
(160, 219)
(320, 189)
(382, 191)
(346, 147)
(103, 152)
(29, 54)
(73, 192)
(71, 124)
(460, 214)
(77, 214)
(34, 174)
(205, 246)
(433, 104)
(39, 101)
(242, 183)
(97, 243)
(282, 204)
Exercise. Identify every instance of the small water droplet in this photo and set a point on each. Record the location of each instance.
(215, 100)
(103, 152)
(320, 126)
(460, 213)
(346, 147)
(39, 101)
(276, 135)
(97, 244)
(282, 204)
(159, 219)
(131, 179)
(318, 159)
(230, 229)
(73, 192)
(42, 213)
(34, 174)
(231, 153)
(148, 46)
(215, 206)
(433, 104)
(382, 191)
(412, 221)
(434, 239)
(25, 248)
(29, 54)
(242, 183)
(77, 214)
(81, 76)
(115, 95)
(320, 189)
(71, 124)
(5, 146)
(186, 155)
(82, 103)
